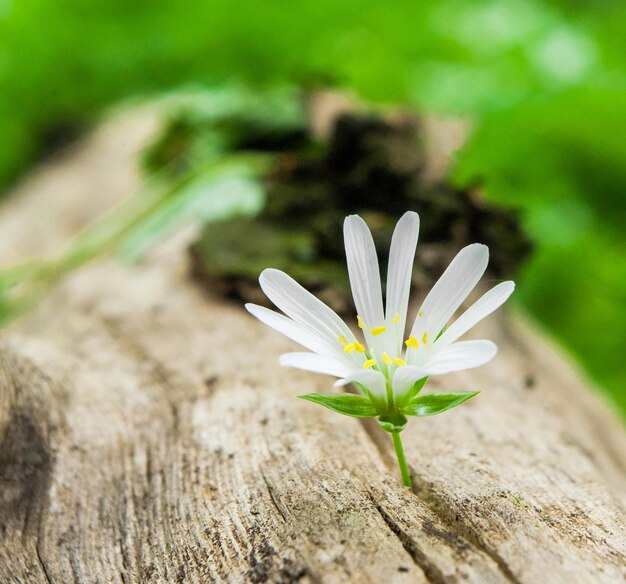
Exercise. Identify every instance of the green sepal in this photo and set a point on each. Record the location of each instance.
(417, 387)
(392, 422)
(436, 403)
(366, 392)
(379, 404)
(357, 406)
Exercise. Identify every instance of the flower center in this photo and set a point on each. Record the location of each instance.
(371, 360)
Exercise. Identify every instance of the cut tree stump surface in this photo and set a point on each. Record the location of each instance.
(149, 435)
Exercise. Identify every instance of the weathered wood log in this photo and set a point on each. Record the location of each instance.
(147, 434)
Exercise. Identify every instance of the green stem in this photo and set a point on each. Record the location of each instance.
(404, 469)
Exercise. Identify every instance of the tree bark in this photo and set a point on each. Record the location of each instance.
(148, 435)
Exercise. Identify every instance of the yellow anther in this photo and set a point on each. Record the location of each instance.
(343, 340)
(359, 347)
(399, 362)
(369, 363)
(396, 318)
(425, 338)
(360, 322)
(387, 359)
(411, 342)
(379, 330)
(420, 313)
(349, 348)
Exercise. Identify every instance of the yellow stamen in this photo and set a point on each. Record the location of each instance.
(359, 347)
(343, 340)
(425, 338)
(387, 359)
(420, 313)
(369, 363)
(349, 348)
(360, 322)
(379, 330)
(399, 362)
(396, 318)
(411, 342)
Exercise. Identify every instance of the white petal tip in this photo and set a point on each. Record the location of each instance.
(479, 247)
(505, 289)
(268, 272)
(256, 310)
(479, 253)
(490, 353)
(353, 221)
(288, 360)
(410, 216)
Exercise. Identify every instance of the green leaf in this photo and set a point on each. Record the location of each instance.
(347, 404)
(436, 403)
(393, 422)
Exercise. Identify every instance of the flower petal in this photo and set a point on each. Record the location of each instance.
(483, 307)
(373, 381)
(401, 257)
(404, 379)
(459, 356)
(307, 310)
(291, 329)
(451, 290)
(363, 271)
(316, 363)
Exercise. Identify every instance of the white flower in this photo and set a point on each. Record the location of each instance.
(385, 361)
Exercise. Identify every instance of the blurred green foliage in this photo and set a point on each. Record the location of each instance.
(543, 83)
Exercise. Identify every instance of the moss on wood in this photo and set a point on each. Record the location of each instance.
(371, 165)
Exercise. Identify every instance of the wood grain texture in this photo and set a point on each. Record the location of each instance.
(148, 435)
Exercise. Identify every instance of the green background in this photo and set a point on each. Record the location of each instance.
(542, 83)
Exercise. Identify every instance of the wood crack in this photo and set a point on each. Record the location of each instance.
(42, 563)
(38, 540)
(273, 499)
(431, 571)
(125, 560)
